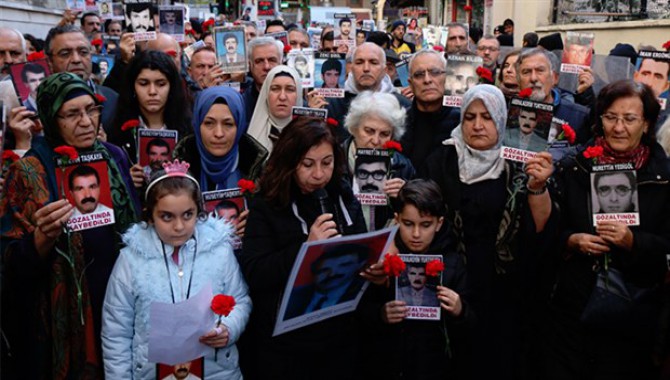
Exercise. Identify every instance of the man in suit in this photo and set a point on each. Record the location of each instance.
(231, 56)
(417, 293)
(525, 137)
(336, 280)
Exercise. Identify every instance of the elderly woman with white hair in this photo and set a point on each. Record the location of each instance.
(374, 119)
(499, 212)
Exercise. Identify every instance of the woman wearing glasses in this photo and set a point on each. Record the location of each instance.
(374, 119)
(151, 93)
(55, 281)
(618, 345)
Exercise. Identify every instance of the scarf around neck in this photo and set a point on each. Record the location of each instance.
(638, 156)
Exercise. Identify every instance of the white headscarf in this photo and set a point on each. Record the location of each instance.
(481, 165)
(262, 120)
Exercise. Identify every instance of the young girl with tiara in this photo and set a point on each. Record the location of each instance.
(171, 256)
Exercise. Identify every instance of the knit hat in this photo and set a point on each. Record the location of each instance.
(552, 42)
(625, 50)
(397, 23)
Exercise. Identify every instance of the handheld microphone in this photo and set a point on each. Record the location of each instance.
(326, 206)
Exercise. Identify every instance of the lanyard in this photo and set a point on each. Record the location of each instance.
(190, 278)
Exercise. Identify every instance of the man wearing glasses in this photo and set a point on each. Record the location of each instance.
(370, 175)
(428, 121)
(615, 191)
(488, 48)
(69, 50)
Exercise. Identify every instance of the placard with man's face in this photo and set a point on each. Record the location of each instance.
(26, 78)
(371, 170)
(614, 194)
(303, 62)
(329, 69)
(85, 183)
(577, 52)
(172, 21)
(417, 288)
(105, 63)
(653, 69)
(461, 76)
(155, 146)
(527, 129)
(139, 19)
(231, 51)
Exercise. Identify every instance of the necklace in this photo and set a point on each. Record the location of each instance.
(180, 272)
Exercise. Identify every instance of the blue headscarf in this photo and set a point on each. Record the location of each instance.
(221, 170)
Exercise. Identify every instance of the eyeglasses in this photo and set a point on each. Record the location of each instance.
(628, 120)
(66, 53)
(485, 48)
(431, 73)
(74, 117)
(620, 190)
(377, 175)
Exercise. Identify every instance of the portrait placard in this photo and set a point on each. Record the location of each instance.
(75, 5)
(105, 64)
(193, 370)
(172, 21)
(431, 36)
(303, 62)
(226, 204)
(325, 281)
(461, 76)
(117, 11)
(154, 147)
(105, 10)
(85, 184)
(329, 70)
(26, 77)
(280, 36)
(577, 52)
(649, 68)
(371, 170)
(527, 129)
(614, 194)
(139, 19)
(417, 289)
(344, 29)
(315, 37)
(231, 49)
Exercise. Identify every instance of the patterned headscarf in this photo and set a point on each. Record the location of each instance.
(221, 170)
(479, 165)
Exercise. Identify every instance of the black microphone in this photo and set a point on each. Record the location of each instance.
(326, 206)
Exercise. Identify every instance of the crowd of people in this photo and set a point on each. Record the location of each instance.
(533, 288)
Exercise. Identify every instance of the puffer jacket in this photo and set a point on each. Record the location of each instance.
(140, 277)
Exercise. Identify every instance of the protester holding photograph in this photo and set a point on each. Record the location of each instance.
(281, 91)
(418, 349)
(175, 253)
(303, 197)
(55, 280)
(374, 119)
(493, 206)
(152, 96)
(618, 345)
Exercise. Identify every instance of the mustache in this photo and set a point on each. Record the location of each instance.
(417, 282)
(370, 188)
(88, 200)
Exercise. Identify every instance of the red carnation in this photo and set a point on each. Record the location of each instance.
(434, 267)
(35, 56)
(593, 152)
(569, 133)
(207, 24)
(100, 98)
(190, 31)
(66, 150)
(223, 304)
(467, 8)
(130, 124)
(332, 122)
(525, 93)
(485, 73)
(9, 155)
(96, 42)
(246, 185)
(393, 265)
(171, 53)
(666, 45)
(438, 48)
(287, 48)
(393, 145)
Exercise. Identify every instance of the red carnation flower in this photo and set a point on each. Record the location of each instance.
(130, 124)
(525, 93)
(666, 45)
(485, 73)
(467, 8)
(171, 53)
(190, 31)
(393, 265)
(66, 150)
(332, 122)
(438, 48)
(100, 98)
(9, 155)
(434, 267)
(223, 305)
(96, 42)
(593, 152)
(287, 48)
(36, 56)
(393, 145)
(569, 133)
(246, 185)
